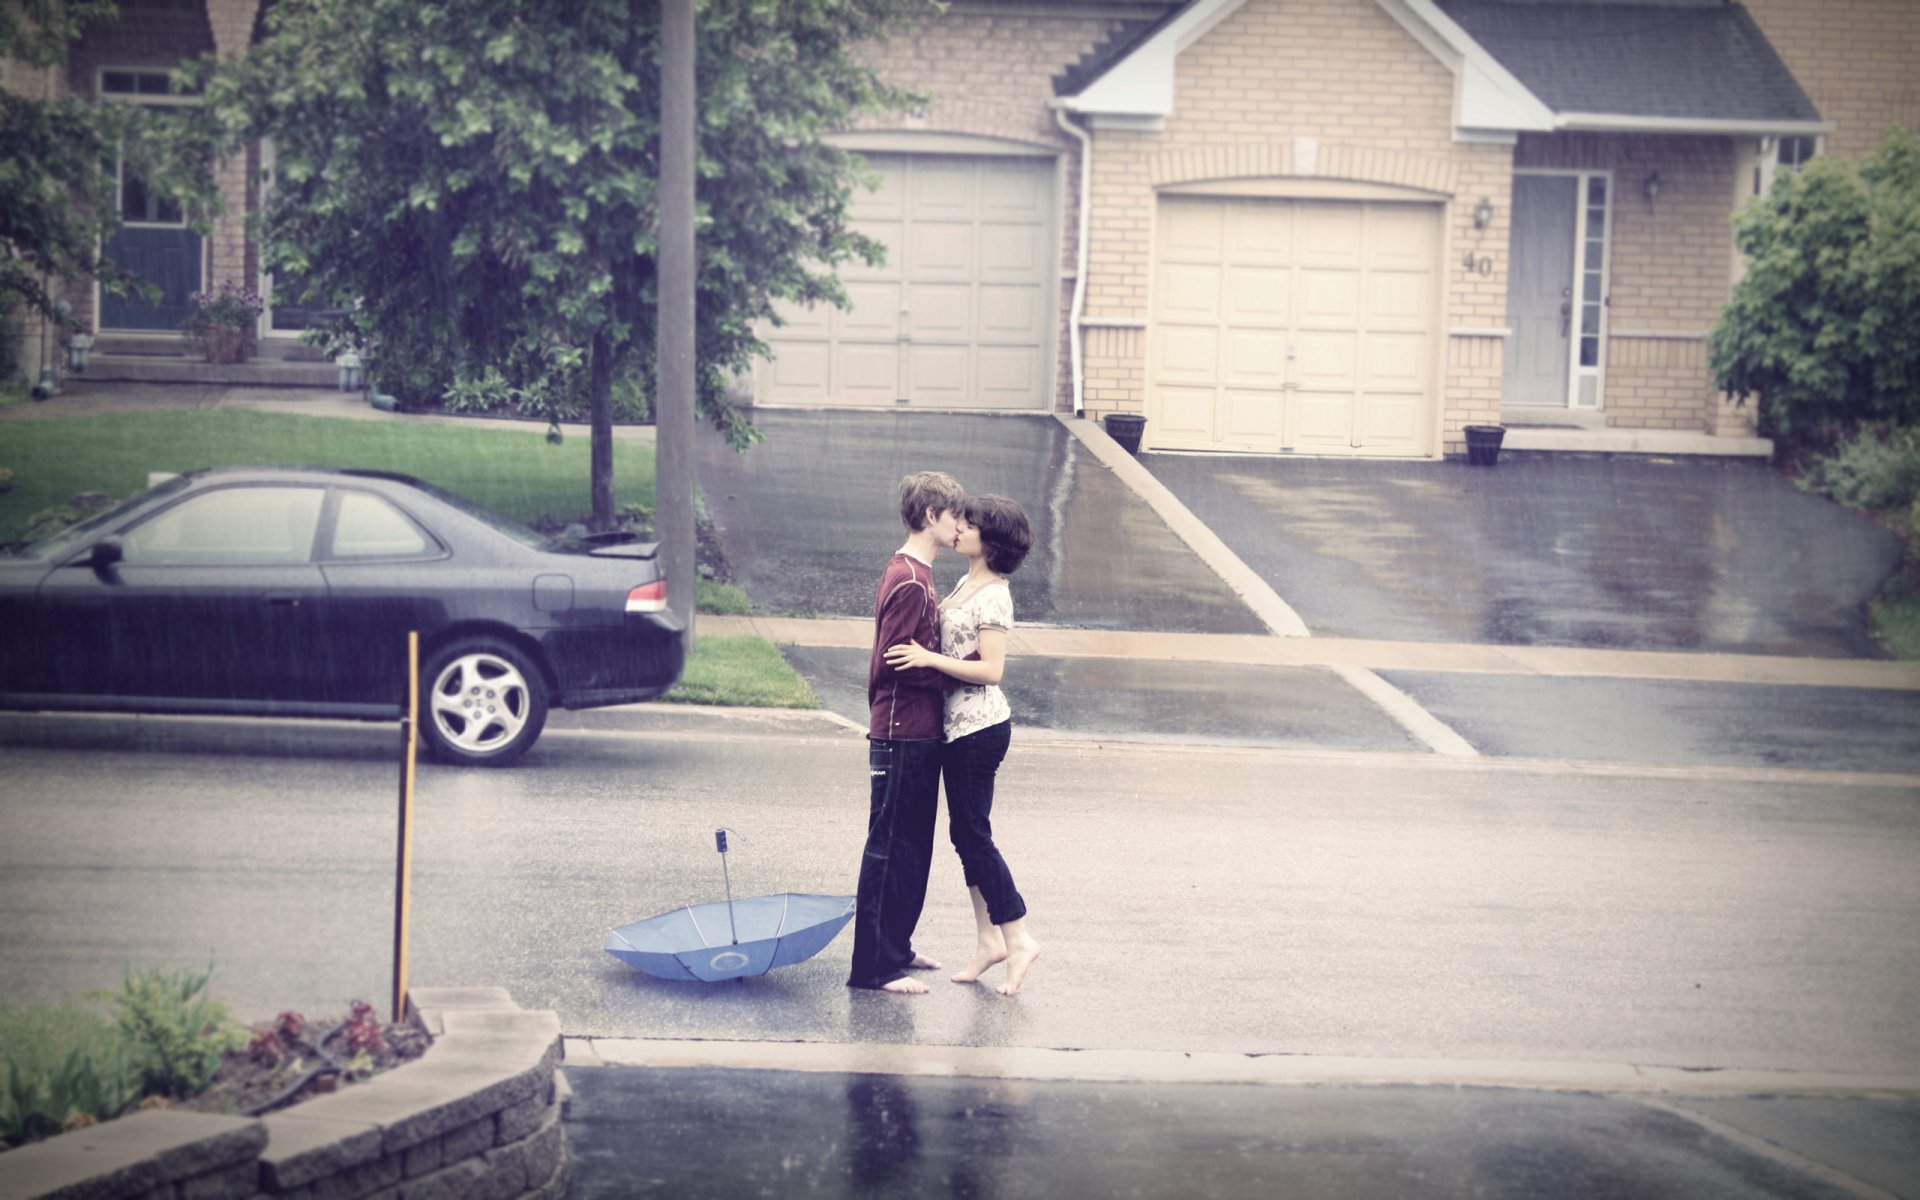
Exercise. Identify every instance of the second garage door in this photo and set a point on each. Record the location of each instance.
(961, 315)
(1294, 325)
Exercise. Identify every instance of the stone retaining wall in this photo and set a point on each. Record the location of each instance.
(478, 1115)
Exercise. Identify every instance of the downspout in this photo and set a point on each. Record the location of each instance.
(1080, 257)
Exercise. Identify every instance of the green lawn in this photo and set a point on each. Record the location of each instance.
(515, 473)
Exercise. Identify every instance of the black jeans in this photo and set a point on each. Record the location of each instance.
(905, 779)
(970, 765)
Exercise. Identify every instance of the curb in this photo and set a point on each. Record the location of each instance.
(479, 1112)
(1279, 1070)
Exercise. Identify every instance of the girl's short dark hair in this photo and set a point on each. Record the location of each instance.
(1004, 533)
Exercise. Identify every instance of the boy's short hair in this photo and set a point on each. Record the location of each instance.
(1005, 534)
(925, 490)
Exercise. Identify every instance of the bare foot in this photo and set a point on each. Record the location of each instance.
(985, 955)
(922, 963)
(904, 987)
(1019, 958)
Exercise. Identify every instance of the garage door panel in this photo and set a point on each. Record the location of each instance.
(1330, 299)
(873, 312)
(1009, 252)
(1259, 234)
(943, 188)
(1327, 361)
(940, 375)
(1391, 421)
(1190, 294)
(1399, 300)
(1320, 421)
(1189, 354)
(1187, 413)
(941, 312)
(869, 373)
(1259, 296)
(1399, 238)
(1014, 192)
(1255, 358)
(1191, 231)
(1254, 417)
(942, 251)
(1007, 314)
(802, 369)
(802, 320)
(1330, 234)
(1007, 375)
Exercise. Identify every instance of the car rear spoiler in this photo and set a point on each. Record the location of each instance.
(617, 543)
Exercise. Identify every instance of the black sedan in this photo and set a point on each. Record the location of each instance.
(290, 592)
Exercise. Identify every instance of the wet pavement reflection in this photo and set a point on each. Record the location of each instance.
(1558, 550)
(808, 518)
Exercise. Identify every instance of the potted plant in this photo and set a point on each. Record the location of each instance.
(223, 320)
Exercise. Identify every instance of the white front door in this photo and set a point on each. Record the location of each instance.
(1540, 307)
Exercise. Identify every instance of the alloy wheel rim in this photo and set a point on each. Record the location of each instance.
(480, 702)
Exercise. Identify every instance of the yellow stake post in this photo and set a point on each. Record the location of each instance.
(402, 895)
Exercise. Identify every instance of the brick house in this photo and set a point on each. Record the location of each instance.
(1346, 227)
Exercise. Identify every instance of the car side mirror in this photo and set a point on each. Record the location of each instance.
(106, 552)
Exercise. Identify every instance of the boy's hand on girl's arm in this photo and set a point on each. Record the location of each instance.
(908, 655)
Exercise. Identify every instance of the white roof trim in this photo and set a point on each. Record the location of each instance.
(1141, 84)
(1614, 123)
(1485, 94)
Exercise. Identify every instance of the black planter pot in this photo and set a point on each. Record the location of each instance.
(1483, 444)
(1126, 429)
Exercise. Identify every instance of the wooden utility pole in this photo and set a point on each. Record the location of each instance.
(674, 407)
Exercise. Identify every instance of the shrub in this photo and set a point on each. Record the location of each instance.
(1824, 326)
(59, 1064)
(1877, 467)
(176, 1035)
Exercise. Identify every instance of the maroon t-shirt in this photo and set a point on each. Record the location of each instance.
(905, 705)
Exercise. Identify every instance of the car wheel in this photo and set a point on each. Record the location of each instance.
(486, 703)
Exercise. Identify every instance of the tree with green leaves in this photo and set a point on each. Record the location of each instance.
(475, 180)
(1824, 327)
(58, 204)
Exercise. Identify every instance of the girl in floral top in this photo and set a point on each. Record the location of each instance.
(974, 623)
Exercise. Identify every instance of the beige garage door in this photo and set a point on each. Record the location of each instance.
(1303, 325)
(961, 314)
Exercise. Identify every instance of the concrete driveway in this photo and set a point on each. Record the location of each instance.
(1549, 550)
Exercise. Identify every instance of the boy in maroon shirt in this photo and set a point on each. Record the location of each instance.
(905, 710)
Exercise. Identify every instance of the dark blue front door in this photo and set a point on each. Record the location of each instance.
(169, 258)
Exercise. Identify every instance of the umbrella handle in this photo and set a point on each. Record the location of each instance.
(720, 844)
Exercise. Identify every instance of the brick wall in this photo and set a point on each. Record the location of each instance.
(1859, 61)
(1672, 259)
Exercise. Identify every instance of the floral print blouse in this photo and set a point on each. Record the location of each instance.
(973, 707)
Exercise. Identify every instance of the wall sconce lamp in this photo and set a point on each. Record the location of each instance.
(1652, 187)
(79, 351)
(1483, 214)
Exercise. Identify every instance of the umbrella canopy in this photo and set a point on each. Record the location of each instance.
(732, 939)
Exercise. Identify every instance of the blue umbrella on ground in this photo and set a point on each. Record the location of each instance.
(731, 939)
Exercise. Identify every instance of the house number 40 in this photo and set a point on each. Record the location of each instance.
(1482, 265)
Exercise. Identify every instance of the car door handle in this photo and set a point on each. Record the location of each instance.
(282, 600)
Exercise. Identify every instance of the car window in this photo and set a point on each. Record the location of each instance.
(368, 527)
(59, 543)
(237, 526)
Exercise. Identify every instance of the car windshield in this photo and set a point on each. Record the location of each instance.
(513, 529)
(73, 535)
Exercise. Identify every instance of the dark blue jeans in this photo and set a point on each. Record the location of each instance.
(905, 779)
(970, 765)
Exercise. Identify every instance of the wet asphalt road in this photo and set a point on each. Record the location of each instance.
(1556, 550)
(1228, 900)
(692, 1133)
(810, 516)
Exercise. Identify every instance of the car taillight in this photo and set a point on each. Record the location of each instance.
(651, 597)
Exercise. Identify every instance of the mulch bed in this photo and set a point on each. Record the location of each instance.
(292, 1059)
